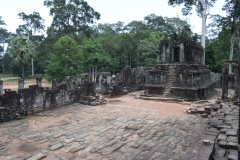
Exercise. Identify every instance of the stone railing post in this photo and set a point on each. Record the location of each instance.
(181, 53)
(79, 79)
(68, 82)
(163, 53)
(225, 82)
(20, 83)
(108, 79)
(39, 81)
(99, 80)
(54, 84)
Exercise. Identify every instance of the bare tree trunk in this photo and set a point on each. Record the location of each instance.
(93, 74)
(238, 78)
(22, 71)
(204, 19)
(231, 51)
(95, 78)
(32, 67)
(89, 74)
(3, 60)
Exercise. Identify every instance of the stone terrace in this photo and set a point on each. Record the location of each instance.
(101, 132)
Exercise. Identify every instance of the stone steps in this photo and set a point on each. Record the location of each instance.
(170, 80)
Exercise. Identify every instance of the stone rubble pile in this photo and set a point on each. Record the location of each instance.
(92, 100)
(220, 138)
(200, 107)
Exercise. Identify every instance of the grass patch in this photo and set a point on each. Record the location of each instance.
(16, 80)
(6, 75)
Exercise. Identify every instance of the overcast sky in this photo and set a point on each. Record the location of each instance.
(111, 11)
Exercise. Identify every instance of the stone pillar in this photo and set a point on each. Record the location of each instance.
(225, 82)
(181, 54)
(90, 78)
(99, 81)
(54, 84)
(39, 81)
(108, 79)
(1, 87)
(167, 55)
(68, 82)
(163, 53)
(79, 79)
(20, 83)
(172, 55)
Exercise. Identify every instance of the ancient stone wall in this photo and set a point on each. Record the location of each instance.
(25, 101)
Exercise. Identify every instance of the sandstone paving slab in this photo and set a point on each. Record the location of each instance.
(56, 146)
(37, 157)
(135, 137)
(24, 156)
(73, 149)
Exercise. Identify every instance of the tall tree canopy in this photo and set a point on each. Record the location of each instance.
(2, 21)
(21, 49)
(232, 8)
(202, 6)
(71, 17)
(34, 24)
(66, 59)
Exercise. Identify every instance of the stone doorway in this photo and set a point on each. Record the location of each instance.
(176, 54)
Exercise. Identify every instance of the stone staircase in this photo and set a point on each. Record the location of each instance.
(169, 81)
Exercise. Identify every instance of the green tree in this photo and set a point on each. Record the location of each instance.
(136, 26)
(66, 59)
(2, 21)
(94, 55)
(70, 17)
(21, 49)
(150, 49)
(201, 7)
(34, 25)
(3, 40)
(232, 8)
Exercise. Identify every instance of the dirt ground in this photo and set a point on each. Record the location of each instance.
(160, 109)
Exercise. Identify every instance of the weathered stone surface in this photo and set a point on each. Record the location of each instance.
(56, 146)
(221, 137)
(37, 157)
(231, 145)
(232, 157)
(232, 139)
(70, 140)
(222, 144)
(77, 148)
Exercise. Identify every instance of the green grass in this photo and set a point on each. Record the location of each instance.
(16, 80)
(6, 75)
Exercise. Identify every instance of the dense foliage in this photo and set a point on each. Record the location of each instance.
(75, 44)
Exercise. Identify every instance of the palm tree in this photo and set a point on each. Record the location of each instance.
(21, 49)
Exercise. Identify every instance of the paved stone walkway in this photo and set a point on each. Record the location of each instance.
(101, 133)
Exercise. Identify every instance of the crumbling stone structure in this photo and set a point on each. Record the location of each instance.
(181, 72)
(14, 104)
(128, 80)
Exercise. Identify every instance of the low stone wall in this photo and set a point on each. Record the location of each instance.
(154, 89)
(15, 104)
(194, 93)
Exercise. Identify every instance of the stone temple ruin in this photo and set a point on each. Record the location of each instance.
(25, 101)
(128, 80)
(181, 72)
